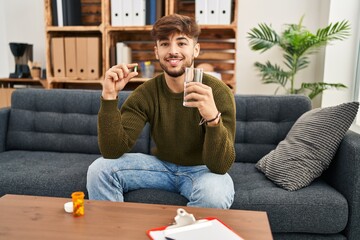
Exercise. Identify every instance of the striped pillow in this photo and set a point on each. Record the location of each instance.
(309, 146)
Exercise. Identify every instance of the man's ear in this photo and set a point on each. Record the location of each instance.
(196, 49)
(156, 52)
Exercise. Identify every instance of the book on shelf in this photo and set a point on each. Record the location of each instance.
(123, 53)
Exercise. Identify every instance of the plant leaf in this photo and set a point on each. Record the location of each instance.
(319, 87)
(272, 73)
(262, 38)
(337, 31)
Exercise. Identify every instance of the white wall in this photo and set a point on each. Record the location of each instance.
(21, 21)
(277, 13)
(340, 59)
(4, 46)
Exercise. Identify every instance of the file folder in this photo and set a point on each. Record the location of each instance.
(54, 11)
(72, 12)
(225, 12)
(116, 13)
(59, 7)
(213, 11)
(127, 12)
(81, 57)
(150, 12)
(159, 9)
(139, 12)
(93, 57)
(70, 57)
(201, 11)
(58, 56)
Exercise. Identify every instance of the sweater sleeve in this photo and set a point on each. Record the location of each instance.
(219, 150)
(119, 129)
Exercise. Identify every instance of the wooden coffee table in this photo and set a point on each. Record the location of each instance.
(33, 217)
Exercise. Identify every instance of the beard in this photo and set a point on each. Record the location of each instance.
(176, 73)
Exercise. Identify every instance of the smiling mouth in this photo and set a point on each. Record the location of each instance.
(174, 61)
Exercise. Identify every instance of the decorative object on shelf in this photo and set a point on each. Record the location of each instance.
(147, 69)
(298, 44)
(22, 52)
(35, 70)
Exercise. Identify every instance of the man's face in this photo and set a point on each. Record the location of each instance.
(175, 53)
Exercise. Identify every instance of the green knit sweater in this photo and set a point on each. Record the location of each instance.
(175, 129)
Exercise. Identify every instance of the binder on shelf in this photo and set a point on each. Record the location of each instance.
(225, 12)
(72, 12)
(59, 7)
(159, 9)
(123, 53)
(213, 11)
(151, 12)
(138, 12)
(93, 57)
(81, 57)
(201, 11)
(54, 12)
(58, 56)
(70, 57)
(116, 13)
(127, 12)
(66, 12)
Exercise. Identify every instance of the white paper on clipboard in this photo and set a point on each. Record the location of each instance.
(187, 228)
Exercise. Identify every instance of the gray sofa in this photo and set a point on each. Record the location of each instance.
(48, 138)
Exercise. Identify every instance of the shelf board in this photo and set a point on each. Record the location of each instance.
(75, 81)
(217, 27)
(73, 29)
(25, 81)
(149, 27)
(129, 28)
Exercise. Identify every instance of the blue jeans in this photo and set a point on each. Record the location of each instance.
(109, 179)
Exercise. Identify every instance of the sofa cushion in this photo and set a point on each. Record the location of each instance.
(263, 121)
(61, 121)
(318, 208)
(309, 146)
(44, 173)
(54, 120)
(155, 196)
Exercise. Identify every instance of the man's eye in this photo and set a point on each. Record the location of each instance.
(182, 44)
(164, 44)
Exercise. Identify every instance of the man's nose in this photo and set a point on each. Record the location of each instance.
(174, 49)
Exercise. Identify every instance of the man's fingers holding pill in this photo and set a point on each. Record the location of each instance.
(123, 71)
(116, 78)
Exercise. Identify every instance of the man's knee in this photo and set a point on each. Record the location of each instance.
(96, 170)
(213, 191)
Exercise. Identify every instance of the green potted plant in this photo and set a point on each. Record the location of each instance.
(297, 44)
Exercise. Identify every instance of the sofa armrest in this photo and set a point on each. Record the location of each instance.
(4, 118)
(344, 176)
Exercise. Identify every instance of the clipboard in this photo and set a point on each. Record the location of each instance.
(187, 228)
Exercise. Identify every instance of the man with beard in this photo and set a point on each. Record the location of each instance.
(191, 159)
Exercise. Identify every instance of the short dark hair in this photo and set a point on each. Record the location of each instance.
(175, 23)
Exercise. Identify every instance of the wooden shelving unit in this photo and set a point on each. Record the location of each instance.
(218, 42)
